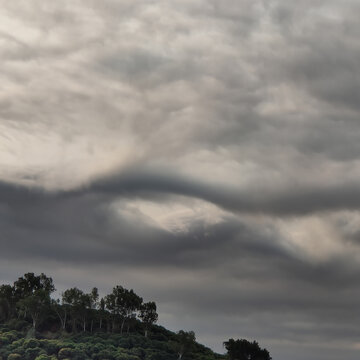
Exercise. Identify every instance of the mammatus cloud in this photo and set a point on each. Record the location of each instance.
(202, 152)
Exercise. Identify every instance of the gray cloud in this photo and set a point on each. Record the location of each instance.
(204, 153)
(275, 200)
(245, 270)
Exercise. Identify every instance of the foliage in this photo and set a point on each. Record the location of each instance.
(83, 326)
(186, 341)
(35, 305)
(148, 315)
(14, 357)
(245, 350)
(101, 346)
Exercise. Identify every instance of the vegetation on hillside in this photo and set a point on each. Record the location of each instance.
(84, 326)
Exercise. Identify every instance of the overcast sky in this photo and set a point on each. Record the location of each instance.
(203, 152)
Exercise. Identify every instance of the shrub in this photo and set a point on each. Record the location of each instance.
(31, 343)
(14, 357)
(46, 357)
(73, 354)
(12, 335)
(50, 346)
(4, 340)
(43, 357)
(104, 354)
(65, 353)
(17, 344)
(32, 353)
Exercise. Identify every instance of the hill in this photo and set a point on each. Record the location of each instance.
(85, 326)
(161, 344)
(82, 326)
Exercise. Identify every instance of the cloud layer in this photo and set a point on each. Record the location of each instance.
(203, 152)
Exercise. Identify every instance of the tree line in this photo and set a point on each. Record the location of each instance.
(29, 298)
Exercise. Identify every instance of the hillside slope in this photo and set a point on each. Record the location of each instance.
(161, 344)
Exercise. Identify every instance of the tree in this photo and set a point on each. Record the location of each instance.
(132, 303)
(111, 304)
(74, 298)
(84, 307)
(122, 303)
(35, 305)
(148, 315)
(102, 313)
(7, 302)
(30, 283)
(61, 311)
(245, 350)
(32, 295)
(186, 340)
(94, 303)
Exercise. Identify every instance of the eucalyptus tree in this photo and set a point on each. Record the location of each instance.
(36, 305)
(132, 304)
(7, 302)
(84, 308)
(122, 303)
(93, 305)
(61, 310)
(29, 283)
(73, 298)
(32, 295)
(102, 312)
(148, 315)
(186, 341)
(112, 306)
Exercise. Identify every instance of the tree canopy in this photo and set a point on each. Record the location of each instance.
(245, 350)
(29, 298)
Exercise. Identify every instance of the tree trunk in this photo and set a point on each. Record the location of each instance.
(73, 325)
(91, 326)
(62, 319)
(122, 326)
(146, 333)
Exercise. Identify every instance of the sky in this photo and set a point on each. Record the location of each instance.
(203, 152)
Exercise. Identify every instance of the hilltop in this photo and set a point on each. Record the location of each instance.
(82, 326)
(85, 326)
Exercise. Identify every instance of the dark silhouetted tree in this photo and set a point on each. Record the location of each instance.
(7, 302)
(245, 350)
(186, 340)
(36, 305)
(32, 295)
(61, 311)
(93, 303)
(30, 283)
(148, 315)
(74, 298)
(122, 303)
